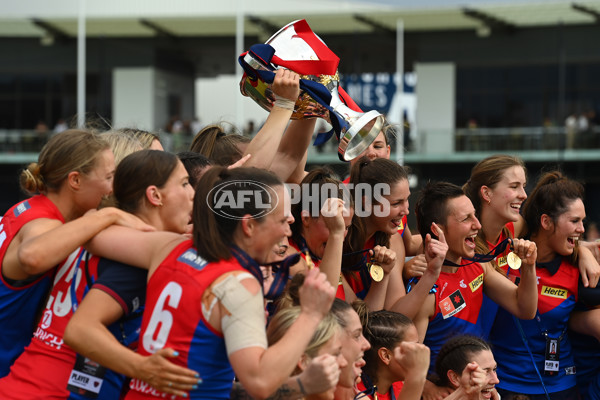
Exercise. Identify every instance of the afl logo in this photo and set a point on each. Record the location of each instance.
(237, 198)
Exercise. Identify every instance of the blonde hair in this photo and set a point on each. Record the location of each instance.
(121, 144)
(145, 138)
(68, 151)
(284, 319)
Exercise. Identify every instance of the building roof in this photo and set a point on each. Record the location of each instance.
(192, 18)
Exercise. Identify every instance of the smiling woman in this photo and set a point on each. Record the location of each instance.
(554, 214)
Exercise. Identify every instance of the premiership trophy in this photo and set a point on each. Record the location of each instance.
(296, 47)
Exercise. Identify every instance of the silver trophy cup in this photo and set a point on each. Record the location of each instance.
(362, 128)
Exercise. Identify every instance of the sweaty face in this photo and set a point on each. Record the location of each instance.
(97, 183)
(354, 346)
(568, 229)
(386, 215)
(508, 194)
(177, 199)
(460, 229)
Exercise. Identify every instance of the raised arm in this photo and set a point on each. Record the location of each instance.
(261, 371)
(521, 301)
(265, 144)
(291, 156)
(435, 252)
(331, 263)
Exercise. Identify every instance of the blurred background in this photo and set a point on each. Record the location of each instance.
(460, 80)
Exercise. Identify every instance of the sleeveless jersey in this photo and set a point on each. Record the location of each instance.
(174, 319)
(489, 308)
(360, 280)
(127, 286)
(20, 303)
(392, 394)
(458, 301)
(317, 261)
(557, 294)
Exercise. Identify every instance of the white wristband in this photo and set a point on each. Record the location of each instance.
(284, 103)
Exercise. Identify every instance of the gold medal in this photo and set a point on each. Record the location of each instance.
(513, 260)
(376, 272)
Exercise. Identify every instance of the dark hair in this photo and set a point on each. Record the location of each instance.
(455, 354)
(139, 170)
(383, 329)
(68, 151)
(552, 196)
(316, 187)
(221, 148)
(370, 172)
(432, 205)
(194, 164)
(213, 231)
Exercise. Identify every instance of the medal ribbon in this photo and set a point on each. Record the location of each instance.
(281, 270)
(489, 256)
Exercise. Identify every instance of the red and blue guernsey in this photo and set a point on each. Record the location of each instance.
(173, 318)
(458, 302)
(20, 301)
(339, 293)
(489, 308)
(546, 334)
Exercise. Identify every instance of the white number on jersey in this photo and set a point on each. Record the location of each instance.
(153, 340)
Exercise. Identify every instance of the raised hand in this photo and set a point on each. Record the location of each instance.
(384, 257)
(316, 294)
(413, 358)
(435, 250)
(526, 250)
(415, 267)
(332, 212)
(286, 84)
(321, 374)
(473, 379)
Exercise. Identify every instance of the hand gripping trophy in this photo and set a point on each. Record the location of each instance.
(296, 47)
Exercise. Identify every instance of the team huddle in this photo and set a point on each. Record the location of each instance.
(135, 273)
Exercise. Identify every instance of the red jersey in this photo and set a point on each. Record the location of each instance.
(20, 301)
(339, 293)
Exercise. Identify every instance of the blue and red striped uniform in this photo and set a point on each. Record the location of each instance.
(557, 294)
(458, 301)
(173, 318)
(20, 301)
(489, 308)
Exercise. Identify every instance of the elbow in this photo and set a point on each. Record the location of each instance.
(261, 390)
(70, 336)
(527, 314)
(32, 262)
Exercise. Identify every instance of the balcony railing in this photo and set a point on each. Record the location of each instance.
(435, 146)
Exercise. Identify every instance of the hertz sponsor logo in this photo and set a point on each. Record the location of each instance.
(476, 283)
(554, 292)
